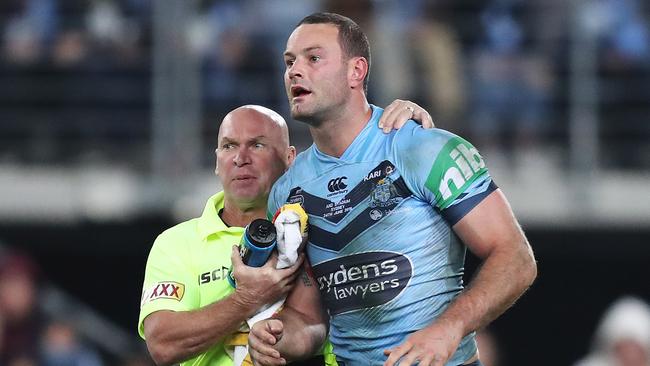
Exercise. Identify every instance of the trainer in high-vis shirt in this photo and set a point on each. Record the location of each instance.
(187, 269)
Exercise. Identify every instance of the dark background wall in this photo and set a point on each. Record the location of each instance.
(581, 271)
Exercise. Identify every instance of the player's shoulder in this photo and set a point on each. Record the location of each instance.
(412, 138)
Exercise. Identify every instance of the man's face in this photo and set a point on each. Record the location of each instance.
(316, 73)
(252, 154)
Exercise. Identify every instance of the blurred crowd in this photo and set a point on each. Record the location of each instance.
(30, 336)
(76, 74)
(623, 335)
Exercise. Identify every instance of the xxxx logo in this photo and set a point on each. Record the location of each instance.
(164, 290)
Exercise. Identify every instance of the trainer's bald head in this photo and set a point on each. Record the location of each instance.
(252, 113)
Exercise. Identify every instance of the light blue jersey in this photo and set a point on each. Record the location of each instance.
(380, 241)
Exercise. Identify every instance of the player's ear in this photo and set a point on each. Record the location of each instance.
(291, 155)
(357, 71)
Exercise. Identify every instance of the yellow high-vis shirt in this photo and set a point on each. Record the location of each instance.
(187, 269)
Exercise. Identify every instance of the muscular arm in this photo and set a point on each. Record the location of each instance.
(297, 332)
(175, 336)
(304, 320)
(508, 266)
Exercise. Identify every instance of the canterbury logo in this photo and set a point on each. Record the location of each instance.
(337, 184)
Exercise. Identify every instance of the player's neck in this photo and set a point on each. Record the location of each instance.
(334, 136)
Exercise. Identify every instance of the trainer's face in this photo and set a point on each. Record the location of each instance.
(316, 73)
(252, 154)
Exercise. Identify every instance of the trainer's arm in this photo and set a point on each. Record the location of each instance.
(176, 336)
(508, 266)
(297, 332)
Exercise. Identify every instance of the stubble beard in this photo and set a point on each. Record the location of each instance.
(312, 119)
(318, 113)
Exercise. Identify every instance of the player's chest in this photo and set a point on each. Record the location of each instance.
(344, 190)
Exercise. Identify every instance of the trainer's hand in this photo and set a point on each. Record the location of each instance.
(258, 286)
(431, 346)
(400, 111)
(262, 341)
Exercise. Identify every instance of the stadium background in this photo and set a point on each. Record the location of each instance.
(109, 111)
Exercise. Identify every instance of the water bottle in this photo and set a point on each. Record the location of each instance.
(256, 245)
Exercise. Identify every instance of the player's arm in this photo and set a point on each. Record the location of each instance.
(459, 186)
(508, 268)
(297, 332)
(175, 336)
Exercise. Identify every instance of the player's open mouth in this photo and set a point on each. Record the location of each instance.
(299, 91)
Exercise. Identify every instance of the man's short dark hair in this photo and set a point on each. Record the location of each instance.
(353, 41)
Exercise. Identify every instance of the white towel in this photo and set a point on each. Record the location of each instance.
(289, 238)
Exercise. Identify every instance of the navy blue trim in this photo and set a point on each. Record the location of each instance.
(336, 241)
(455, 213)
(317, 206)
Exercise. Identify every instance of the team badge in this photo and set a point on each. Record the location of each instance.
(384, 194)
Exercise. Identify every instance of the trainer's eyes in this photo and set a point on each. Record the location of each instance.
(289, 62)
(227, 146)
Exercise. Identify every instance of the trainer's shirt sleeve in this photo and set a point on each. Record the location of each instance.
(443, 169)
(168, 281)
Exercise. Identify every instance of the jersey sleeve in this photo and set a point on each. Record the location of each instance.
(443, 169)
(168, 282)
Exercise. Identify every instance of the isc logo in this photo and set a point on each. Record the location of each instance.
(468, 162)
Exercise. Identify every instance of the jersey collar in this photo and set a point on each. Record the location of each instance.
(210, 222)
(358, 145)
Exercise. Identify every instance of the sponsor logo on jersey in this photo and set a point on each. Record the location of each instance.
(295, 196)
(337, 186)
(164, 290)
(376, 214)
(458, 164)
(216, 275)
(373, 175)
(362, 280)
